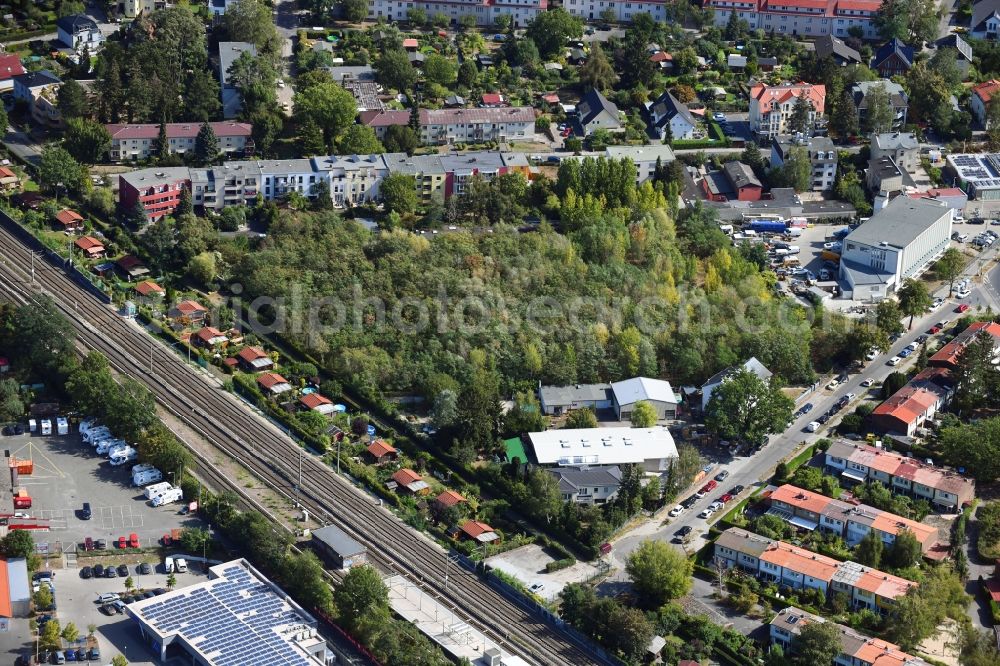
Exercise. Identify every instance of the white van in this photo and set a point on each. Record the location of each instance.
(181, 565)
(32, 425)
(46, 427)
(106, 445)
(141, 467)
(117, 446)
(146, 477)
(168, 565)
(168, 496)
(62, 425)
(123, 456)
(152, 491)
(96, 434)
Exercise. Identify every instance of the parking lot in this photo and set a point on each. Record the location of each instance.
(527, 564)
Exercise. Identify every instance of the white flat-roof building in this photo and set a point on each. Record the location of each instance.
(236, 617)
(653, 448)
(656, 392)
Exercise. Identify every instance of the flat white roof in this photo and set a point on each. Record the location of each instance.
(602, 446)
(642, 388)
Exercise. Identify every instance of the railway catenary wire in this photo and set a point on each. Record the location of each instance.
(271, 455)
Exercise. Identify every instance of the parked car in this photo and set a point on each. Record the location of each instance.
(99, 570)
(133, 540)
(895, 359)
(904, 353)
(727, 498)
(145, 568)
(101, 544)
(868, 382)
(736, 490)
(962, 307)
(676, 511)
(822, 420)
(716, 505)
(805, 409)
(722, 476)
(706, 513)
(107, 597)
(813, 426)
(681, 533)
(123, 570)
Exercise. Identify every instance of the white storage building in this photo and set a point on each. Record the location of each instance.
(653, 448)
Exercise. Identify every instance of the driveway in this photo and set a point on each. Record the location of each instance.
(979, 609)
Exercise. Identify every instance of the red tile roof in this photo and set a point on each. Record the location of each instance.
(68, 217)
(10, 66)
(190, 307)
(769, 96)
(314, 400)
(910, 403)
(149, 288)
(661, 56)
(251, 354)
(405, 477)
(271, 379)
(380, 448)
(986, 90)
(7, 173)
(206, 334)
(993, 587)
(410, 43)
(934, 193)
(474, 529)
(449, 498)
(948, 355)
(492, 98)
(177, 130)
(89, 244)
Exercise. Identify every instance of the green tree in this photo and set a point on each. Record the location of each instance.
(394, 70)
(468, 73)
(59, 171)
(11, 405)
(72, 100)
(550, 30)
(306, 581)
(43, 337)
(361, 594)
(892, 383)
(119, 660)
(399, 193)
(206, 145)
(597, 72)
(444, 412)
(974, 376)
(659, 573)
(975, 447)
(795, 172)
(889, 317)
(18, 543)
(869, 550)
(50, 636)
(439, 69)
(161, 148)
(799, 119)
(581, 418)
(479, 413)
(752, 157)
(360, 140)
(949, 267)
(845, 121)
(251, 21)
(355, 11)
(816, 643)
(70, 633)
(400, 139)
(747, 408)
(86, 140)
(329, 106)
(879, 116)
(905, 551)
(913, 298)
(913, 21)
(643, 415)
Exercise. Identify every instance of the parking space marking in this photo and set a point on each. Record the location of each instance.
(44, 468)
(116, 517)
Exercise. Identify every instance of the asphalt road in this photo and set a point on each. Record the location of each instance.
(755, 470)
(23, 146)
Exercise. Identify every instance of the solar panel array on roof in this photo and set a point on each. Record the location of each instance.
(233, 622)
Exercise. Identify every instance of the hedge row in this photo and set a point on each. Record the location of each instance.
(557, 565)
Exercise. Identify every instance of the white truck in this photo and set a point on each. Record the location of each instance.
(152, 491)
(122, 456)
(146, 477)
(168, 496)
(62, 425)
(46, 427)
(168, 565)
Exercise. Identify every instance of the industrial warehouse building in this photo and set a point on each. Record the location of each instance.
(236, 617)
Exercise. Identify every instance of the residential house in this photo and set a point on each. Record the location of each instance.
(822, 157)
(885, 179)
(902, 147)
(898, 242)
(856, 649)
(344, 73)
(254, 359)
(651, 448)
(801, 18)
(668, 115)
(138, 141)
(894, 58)
(716, 380)
(39, 90)
(897, 100)
(829, 46)
(353, 179)
(90, 246)
(593, 10)
(381, 452)
(448, 499)
(947, 357)
(745, 184)
(69, 220)
(851, 521)
(10, 66)
(717, 187)
(663, 61)
(79, 32)
(655, 392)
(963, 50)
(869, 588)
(131, 267)
(588, 485)
(479, 532)
(9, 180)
(858, 462)
(411, 482)
(191, 312)
(557, 400)
(771, 106)
(985, 22)
(150, 293)
(645, 158)
(317, 403)
(208, 337)
(492, 101)
(132, 8)
(914, 404)
(273, 384)
(157, 189)
(594, 112)
(980, 100)
(228, 54)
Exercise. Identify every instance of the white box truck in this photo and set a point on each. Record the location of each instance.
(146, 477)
(62, 425)
(152, 491)
(46, 427)
(168, 497)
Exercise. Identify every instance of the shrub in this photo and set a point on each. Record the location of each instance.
(558, 565)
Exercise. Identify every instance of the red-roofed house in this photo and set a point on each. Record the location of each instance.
(9, 180)
(663, 60)
(947, 356)
(381, 452)
(317, 403)
(10, 66)
(410, 481)
(802, 18)
(477, 531)
(273, 383)
(448, 499)
(493, 101)
(209, 337)
(771, 106)
(149, 292)
(908, 407)
(137, 142)
(411, 44)
(253, 359)
(69, 220)
(91, 247)
(193, 311)
(982, 97)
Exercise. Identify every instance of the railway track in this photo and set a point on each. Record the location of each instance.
(267, 452)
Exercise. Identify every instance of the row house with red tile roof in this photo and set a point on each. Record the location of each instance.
(856, 649)
(948, 355)
(486, 12)
(801, 18)
(850, 521)
(593, 10)
(944, 490)
(138, 141)
(918, 401)
(771, 106)
(801, 569)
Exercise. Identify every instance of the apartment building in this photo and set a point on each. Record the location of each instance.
(40, 91)
(444, 176)
(814, 18)
(591, 10)
(822, 158)
(801, 569)
(856, 649)
(353, 179)
(132, 8)
(948, 356)
(860, 463)
(771, 106)
(157, 189)
(138, 141)
(232, 184)
(486, 11)
(902, 147)
(809, 510)
(446, 126)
